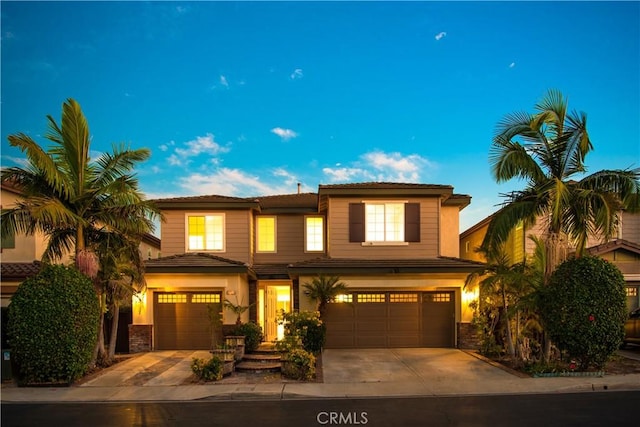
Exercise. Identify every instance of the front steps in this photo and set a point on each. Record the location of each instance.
(264, 359)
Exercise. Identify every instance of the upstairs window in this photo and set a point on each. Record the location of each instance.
(384, 222)
(314, 234)
(8, 240)
(266, 234)
(205, 232)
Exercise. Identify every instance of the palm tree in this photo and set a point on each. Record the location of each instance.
(72, 199)
(120, 275)
(322, 289)
(506, 281)
(547, 150)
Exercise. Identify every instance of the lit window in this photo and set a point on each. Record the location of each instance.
(266, 234)
(314, 233)
(172, 298)
(205, 232)
(385, 222)
(439, 297)
(632, 291)
(403, 298)
(372, 298)
(205, 298)
(342, 298)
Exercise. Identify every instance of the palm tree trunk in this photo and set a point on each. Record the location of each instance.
(511, 348)
(114, 331)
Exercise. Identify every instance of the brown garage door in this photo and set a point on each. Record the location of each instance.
(392, 319)
(181, 320)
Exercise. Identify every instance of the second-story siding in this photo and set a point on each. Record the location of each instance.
(339, 245)
(289, 242)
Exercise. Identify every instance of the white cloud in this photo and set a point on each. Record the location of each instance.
(440, 35)
(297, 74)
(202, 144)
(381, 166)
(346, 174)
(513, 64)
(231, 182)
(285, 134)
(223, 81)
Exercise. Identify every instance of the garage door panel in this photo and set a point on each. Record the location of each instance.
(181, 320)
(393, 319)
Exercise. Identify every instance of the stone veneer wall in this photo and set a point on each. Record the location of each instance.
(468, 336)
(140, 338)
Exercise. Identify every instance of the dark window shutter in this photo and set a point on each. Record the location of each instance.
(356, 222)
(412, 222)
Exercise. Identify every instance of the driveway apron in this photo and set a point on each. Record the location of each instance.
(409, 365)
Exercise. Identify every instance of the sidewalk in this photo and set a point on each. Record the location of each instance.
(347, 374)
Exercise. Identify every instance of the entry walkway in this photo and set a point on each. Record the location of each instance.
(163, 376)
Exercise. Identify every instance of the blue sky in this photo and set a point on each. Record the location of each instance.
(250, 98)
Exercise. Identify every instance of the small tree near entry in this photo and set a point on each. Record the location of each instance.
(53, 326)
(584, 310)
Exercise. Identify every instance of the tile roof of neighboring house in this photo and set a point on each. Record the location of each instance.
(196, 263)
(19, 270)
(271, 271)
(614, 245)
(386, 266)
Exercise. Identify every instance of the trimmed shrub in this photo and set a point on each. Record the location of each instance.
(584, 309)
(299, 365)
(252, 335)
(308, 326)
(53, 326)
(210, 370)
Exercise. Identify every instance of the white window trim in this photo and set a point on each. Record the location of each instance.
(275, 234)
(324, 243)
(186, 231)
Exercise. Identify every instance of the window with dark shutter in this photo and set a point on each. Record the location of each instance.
(412, 222)
(356, 222)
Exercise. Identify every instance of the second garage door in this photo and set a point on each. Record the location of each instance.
(181, 320)
(392, 319)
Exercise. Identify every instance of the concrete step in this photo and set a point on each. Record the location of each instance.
(258, 367)
(261, 358)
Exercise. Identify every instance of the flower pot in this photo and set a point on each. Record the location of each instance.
(226, 354)
(236, 342)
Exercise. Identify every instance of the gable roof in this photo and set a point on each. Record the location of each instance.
(213, 201)
(614, 245)
(196, 263)
(282, 203)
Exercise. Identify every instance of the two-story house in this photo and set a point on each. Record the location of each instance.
(394, 245)
(623, 251)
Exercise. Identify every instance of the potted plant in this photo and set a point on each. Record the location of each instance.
(236, 341)
(224, 352)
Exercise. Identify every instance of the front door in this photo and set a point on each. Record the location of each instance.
(278, 300)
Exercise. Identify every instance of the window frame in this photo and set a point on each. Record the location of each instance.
(275, 234)
(205, 214)
(306, 234)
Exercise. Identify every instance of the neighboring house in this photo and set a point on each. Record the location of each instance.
(394, 245)
(623, 251)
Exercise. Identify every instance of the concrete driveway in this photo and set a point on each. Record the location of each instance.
(430, 366)
(408, 365)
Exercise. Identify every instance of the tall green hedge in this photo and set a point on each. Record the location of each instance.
(584, 309)
(52, 325)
